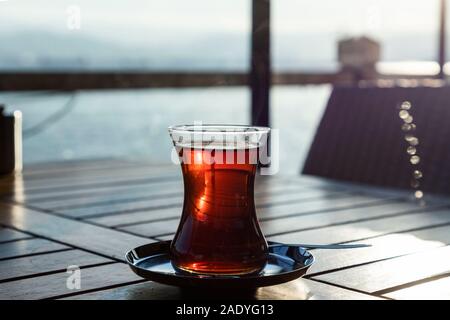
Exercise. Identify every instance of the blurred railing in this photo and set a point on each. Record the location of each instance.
(29, 81)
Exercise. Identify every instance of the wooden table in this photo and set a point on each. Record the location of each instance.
(88, 214)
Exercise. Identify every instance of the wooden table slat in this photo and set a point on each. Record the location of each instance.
(133, 218)
(7, 234)
(176, 202)
(123, 207)
(168, 237)
(50, 262)
(22, 196)
(79, 197)
(91, 174)
(303, 222)
(70, 193)
(82, 235)
(112, 198)
(313, 227)
(301, 289)
(163, 213)
(383, 247)
(132, 193)
(153, 229)
(56, 189)
(87, 177)
(27, 247)
(390, 273)
(54, 285)
(432, 290)
(331, 203)
(68, 166)
(313, 205)
(350, 257)
(126, 196)
(366, 229)
(138, 177)
(169, 226)
(271, 199)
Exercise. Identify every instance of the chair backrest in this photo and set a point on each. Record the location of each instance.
(360, 138)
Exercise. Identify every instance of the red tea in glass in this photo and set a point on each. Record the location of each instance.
(218, 231)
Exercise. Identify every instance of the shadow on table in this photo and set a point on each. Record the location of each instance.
(292, 290)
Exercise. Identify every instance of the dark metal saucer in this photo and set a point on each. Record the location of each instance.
(285, 263)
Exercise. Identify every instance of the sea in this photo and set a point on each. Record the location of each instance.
(132, 124)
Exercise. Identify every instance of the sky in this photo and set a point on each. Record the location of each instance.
(119, 17)
(185, 30)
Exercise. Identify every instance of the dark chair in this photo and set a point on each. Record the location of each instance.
(360, 138)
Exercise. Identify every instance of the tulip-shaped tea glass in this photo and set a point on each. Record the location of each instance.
(218, 231)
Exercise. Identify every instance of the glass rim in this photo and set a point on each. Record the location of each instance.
(235, 129)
